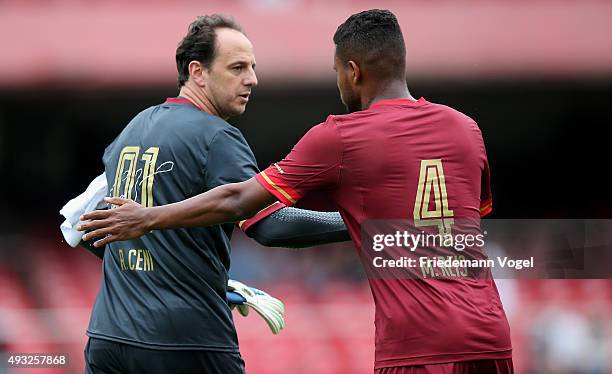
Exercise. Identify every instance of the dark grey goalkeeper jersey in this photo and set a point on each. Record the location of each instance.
(166, 290)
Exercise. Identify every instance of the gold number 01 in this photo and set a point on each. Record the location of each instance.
(431, 179)
(126, 171)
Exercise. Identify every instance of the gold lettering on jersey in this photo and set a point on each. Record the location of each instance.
(127, 156)
(148, 260)
(127, 172)
(150, 159)
(121, 260)
(431, 203)
(131, 254)
(136, 259)
(139, 260)
(428, 271)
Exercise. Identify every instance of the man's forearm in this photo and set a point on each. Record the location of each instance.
(229, 203)
(129, 220)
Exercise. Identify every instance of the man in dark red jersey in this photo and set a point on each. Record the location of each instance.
(392, 157)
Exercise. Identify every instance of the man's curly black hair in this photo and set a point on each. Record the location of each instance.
(373, 39)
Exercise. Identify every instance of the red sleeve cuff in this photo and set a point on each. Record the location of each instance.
(278, 188)
(247, 223)
(486, 207)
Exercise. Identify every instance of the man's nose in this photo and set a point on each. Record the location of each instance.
(251, 79)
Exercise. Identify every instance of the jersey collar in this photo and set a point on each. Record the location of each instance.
(178, 100)
(399, 102)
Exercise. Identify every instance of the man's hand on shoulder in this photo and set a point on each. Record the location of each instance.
(127, 221)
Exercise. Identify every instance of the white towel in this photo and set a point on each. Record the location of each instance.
(89, 200)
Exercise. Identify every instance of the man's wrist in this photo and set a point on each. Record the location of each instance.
(151, 220)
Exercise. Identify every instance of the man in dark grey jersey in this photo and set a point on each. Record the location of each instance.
(162, 305)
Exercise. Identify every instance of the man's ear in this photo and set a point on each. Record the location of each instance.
(354, 71)
(198, 73)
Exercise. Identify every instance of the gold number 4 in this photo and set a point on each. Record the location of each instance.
(127, 172)
(431, 180)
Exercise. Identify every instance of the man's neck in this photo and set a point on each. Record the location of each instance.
(198, 98)
(396, 89)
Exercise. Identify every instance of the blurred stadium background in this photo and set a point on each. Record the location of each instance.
(536, 75)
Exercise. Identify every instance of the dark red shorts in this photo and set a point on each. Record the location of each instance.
(502, 366)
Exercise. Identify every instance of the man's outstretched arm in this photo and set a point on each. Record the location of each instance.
(228, 203)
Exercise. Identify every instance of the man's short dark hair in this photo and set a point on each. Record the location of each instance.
(199, 43)
(374, 39)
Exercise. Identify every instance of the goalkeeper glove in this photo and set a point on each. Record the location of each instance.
(269, 308)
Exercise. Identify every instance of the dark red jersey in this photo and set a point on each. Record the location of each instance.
(406, 160)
